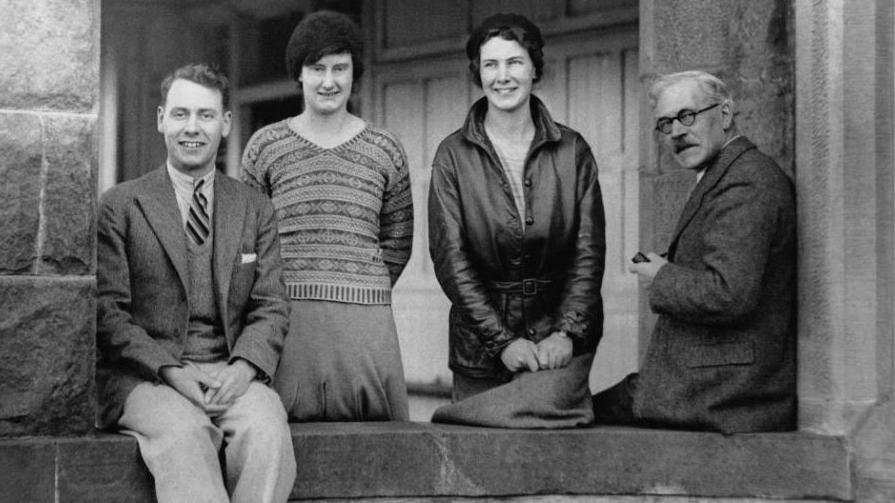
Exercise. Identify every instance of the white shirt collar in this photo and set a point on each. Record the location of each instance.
(183, 189)
(183, 181)
(730, 140)
(701, 171)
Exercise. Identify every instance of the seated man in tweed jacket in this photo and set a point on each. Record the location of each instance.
(722, 354)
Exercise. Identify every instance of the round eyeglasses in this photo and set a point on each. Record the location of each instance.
(685, 117)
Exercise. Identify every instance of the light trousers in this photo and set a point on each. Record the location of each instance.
(181, 445)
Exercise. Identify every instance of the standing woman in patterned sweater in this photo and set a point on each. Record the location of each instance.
(341, 190)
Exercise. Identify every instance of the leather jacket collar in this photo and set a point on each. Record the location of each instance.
(545, 129)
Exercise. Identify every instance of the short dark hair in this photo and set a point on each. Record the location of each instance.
(508, 27)
(202, 74)
(320, 34)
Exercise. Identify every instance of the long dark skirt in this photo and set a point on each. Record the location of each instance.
(341, 362)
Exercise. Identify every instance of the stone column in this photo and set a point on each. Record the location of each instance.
(844, 133)
(48, 117)
(845, 183)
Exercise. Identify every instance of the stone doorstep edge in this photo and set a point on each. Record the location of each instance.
(362, 460)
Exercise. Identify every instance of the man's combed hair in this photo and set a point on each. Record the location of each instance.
(712, 86)
(202, 74)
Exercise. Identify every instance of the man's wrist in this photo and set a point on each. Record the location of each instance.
(164, 372)
(253, 371)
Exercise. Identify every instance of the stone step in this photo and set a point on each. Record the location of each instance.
(422, 461)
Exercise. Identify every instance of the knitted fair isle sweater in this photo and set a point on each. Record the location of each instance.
(345, 213)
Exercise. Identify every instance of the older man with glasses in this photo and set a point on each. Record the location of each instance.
(722, 353)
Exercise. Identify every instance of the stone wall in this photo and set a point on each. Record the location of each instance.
(48, 119)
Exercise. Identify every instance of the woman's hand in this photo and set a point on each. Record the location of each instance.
(521, 354)
(555, 351)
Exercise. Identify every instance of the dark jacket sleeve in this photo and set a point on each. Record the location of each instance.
(454, 270)
(266, 313)
(740, 216)
(120, 340)
(580, 309)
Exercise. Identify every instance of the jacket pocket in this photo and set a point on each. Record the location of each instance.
(714, 355)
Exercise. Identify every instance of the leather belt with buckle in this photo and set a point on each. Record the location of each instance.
(528, 287)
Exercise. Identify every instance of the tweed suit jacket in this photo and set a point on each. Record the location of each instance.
(142, 278)
(722, 354)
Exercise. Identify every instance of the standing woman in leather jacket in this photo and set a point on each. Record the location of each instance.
(516, 224)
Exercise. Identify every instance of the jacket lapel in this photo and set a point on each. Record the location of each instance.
(159, 205)
(229, 214)
(712, 175)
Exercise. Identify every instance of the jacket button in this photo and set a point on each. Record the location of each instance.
(529, 220)
(528, 182)
(531, 332)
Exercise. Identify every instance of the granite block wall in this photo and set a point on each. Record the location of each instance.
(48, 159)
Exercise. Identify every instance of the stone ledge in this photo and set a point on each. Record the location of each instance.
(421, 460)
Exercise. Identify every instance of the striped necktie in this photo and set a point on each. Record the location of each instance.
(198, 222)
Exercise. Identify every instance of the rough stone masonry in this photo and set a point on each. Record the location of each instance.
(48, 158)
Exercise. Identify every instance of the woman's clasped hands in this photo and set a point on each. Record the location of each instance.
(553, 352)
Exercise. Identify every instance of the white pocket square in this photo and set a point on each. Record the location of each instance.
(247, 258)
